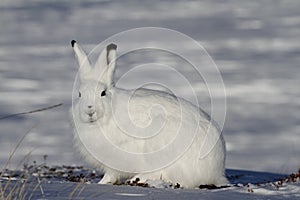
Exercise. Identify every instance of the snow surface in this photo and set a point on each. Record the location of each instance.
(290, 191)
(53, 185)
(254, 43)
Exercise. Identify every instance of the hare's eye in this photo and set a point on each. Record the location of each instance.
(103, 93)
(79, 94)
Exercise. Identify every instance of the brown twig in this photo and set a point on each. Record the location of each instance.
(33, 111)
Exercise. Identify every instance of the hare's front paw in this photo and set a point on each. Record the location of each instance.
(136, 182)
(107, 179)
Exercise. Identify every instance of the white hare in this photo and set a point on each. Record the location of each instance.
(126, 118)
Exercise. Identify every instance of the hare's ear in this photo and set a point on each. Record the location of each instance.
(106, 63)
(83, 62)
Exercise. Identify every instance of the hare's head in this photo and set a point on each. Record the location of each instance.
(95, 82)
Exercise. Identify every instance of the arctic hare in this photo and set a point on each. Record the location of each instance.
(103, 109)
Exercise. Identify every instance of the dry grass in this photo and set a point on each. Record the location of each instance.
(14, 188)
(25, 181)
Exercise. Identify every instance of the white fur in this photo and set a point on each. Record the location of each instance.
(202, 163)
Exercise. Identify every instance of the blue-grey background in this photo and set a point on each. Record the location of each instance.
(255, 44)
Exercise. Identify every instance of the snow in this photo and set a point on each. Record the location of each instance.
(64, 183)
(254, 44)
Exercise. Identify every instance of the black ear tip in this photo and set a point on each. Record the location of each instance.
(111, 46)
(73, 42)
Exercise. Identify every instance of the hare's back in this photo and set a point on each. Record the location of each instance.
(144, 105)
(172, 104)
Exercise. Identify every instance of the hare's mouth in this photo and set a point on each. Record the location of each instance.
(92, 120)
(91, 117)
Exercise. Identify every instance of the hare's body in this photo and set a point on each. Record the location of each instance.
(201, 161)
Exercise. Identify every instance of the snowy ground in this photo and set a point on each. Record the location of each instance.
(254, 43)
(67, 182)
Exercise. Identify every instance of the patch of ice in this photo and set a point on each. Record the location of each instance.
(249, 24)
(131, 194)
(20, 84)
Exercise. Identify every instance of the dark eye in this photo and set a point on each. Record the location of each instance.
(103, 93)
(79, 95)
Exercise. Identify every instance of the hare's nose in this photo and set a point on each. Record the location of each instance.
(89, 106)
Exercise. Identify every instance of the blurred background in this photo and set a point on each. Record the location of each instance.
(255, 45)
